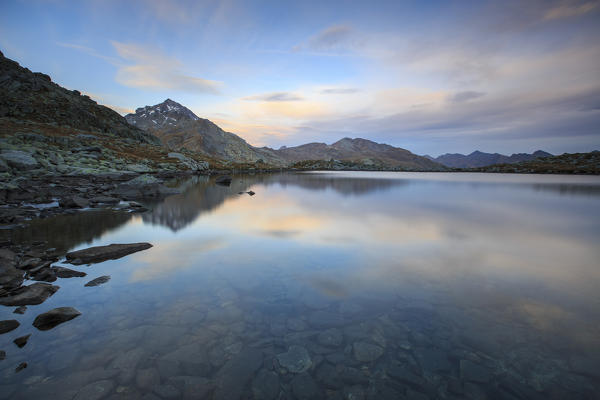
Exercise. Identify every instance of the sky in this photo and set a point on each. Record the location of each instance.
(433, 77)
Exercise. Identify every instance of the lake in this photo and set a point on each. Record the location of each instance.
(333, 285)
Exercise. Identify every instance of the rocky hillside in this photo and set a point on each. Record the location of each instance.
(179, 128)
(32, 96)
(46, 129)
(350, 153)
(481, 159)
(568, 163)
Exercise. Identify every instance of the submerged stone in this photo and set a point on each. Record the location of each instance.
(52, 318)
(295, 360)
(265, 385)
(95, 390)
(305, 388)
(366, 352)
(98, 281)
(223, 180)
(473, 372)
(236, 373)
(102, 253)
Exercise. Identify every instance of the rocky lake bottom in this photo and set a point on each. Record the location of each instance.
(337, 285)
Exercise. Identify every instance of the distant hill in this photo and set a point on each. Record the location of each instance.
(361, 151)
(481, 159)
(178, 127)
(568, 163)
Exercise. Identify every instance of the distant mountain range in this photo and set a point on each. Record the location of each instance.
(480, 159)
(178, 127)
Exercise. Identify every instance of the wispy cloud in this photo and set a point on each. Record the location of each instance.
(339, 91)
(570, 8)
(151, 69)
(333, 38)
(462, 97)
(276, 96)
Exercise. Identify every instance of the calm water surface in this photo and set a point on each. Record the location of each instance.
(345, 285)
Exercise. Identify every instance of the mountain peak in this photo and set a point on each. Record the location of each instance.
(169, 113)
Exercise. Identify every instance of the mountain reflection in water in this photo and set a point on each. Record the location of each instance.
(394, 285)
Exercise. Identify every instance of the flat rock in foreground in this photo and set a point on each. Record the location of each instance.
(52, 318)
(103, 253)
(29, 295)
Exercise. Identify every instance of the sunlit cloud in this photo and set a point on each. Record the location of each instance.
(151, 69)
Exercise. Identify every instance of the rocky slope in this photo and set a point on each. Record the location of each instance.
(46, 129)
(179, 128)
(481, 159)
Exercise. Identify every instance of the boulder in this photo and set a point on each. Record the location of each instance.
(102, 253)
(63, 272)
(190, 163)
(21, 341)
(236, 373)
(29, 295)
(8, 325)
(54, 317)
(19, 160)
(74, 202)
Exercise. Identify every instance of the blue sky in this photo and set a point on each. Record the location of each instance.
(432, 77)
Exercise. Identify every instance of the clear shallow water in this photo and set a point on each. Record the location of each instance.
(329, 285)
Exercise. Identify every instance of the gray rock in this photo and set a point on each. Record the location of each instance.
(147, 378)
(19, 160)
(126, 363)
(265, 385)
(20, 310)
(74, 202)
(54, 317)
(366, 352)
(22, 341)
(8, 325)
(331, 337)
(190, 163)
(63, 272)
(102, 253)
(305, 388)
(472, 372)
(236, 373)
(95, 390)
(355, 392)
(433, 360)
(98, 281)
(36, 293)
(167, 391)
(295, 360)
(137, 168)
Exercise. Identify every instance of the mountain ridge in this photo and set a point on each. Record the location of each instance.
(178, 127)
(478, 158)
